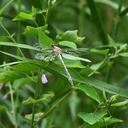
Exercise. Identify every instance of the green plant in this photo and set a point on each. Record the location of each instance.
(53, 72)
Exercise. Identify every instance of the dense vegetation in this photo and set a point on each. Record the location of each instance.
(63, 63)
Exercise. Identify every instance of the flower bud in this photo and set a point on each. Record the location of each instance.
(44, 79)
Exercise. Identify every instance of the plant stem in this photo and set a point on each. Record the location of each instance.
(47, 11)
(56, 103)
(19, 24)
(36, 96)
(10, 36)
(81, 18)
(97, 21)
(13, 105)
(5, 6)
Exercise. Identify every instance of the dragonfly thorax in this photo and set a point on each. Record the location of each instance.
(56, 50)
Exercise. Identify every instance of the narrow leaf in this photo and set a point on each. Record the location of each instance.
(10, 44)
(71, 57)
(23, 16)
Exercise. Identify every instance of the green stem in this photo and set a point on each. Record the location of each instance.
(5, 6)
(19, 24)
(47, 11)
(10, 36)
(56, 103)
(97, 21)
(81, 18)
(36, 96)
(13, 105)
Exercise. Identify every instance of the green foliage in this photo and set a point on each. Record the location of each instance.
(50, 74)
(92, 118)
(89, 91)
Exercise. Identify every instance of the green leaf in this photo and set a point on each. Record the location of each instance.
(97, 66)
(102, 52)
(14, 56)
(112, 42)
(25, 46)
(71, 57)
(37, 3)
(9, 64)
(73, 64)
(104, 122)
(71, 36)
(45, 97)
(11, 118)
(101, 85)
(60, 72)
(89, 91)
(37, 116)
(92, 118)
(110, 3)
(73, 104)
(118, 104)
(6, 76)
(23, 16)
(33, 31)
(68, 44)
(3, 108)
(4, 38)
(44, 40)
(123, 54)
(29, 100)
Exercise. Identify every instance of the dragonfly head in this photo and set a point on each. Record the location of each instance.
(56, 50)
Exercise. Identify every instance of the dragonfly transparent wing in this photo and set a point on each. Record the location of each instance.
(79, 50)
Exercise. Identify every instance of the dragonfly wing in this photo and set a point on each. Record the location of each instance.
(69, 50)
(39, 56)
(71, 57)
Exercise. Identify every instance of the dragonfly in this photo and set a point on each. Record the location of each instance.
(50, 54)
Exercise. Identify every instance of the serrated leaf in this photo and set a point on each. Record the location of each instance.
(33, 31)
(104, 122)
(68, 44)
(45, 97)
(23, 16)
(89, 91)
(44, 40)
(71, 57)
(71, 36)
(92, 118)
(30, 100)
(36, 118)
